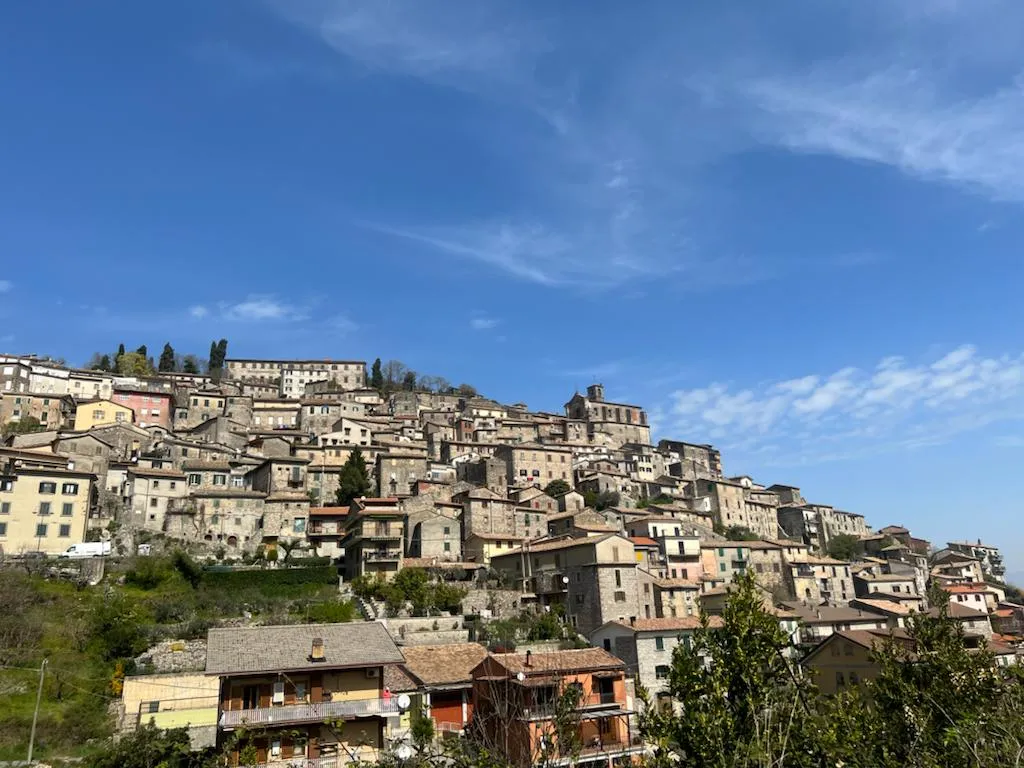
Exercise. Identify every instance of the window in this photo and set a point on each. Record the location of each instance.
(156, 484)
(659, 643)
(6, 485)
(607, 644)
(173, 485)
(5, 508)
(661, 672)
(3, 529)
(620, 596)
(447, 546)
(579, 598)
(68, 509)
(847, 649)
(47, 487)
(195, 478)
(40, 530)
(220, 479)
(721, 567)
(618, 578)
(65, 531)
(448, 530)
(44, 508)
(299, 525)
(840, 680)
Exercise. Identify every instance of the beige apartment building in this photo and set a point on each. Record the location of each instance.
(42, 509)
(292, 376)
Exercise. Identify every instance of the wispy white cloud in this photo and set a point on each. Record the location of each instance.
(483, 323)
(5, 286)
(902, 117)
(255, 308)
(198, 311)
(895, 404)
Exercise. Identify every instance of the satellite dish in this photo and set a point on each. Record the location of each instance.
(520, 676)
(403, 702)
(404, 752)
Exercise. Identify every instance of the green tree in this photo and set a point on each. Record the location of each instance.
(740, 533)
(167, 360)
(409, 381)
(377, 376)
(844, 546)
(149, 747)
(191, 364)
(736, 690)
(142, 351)
(133, 364)
(557, 488)
(467, 390)
(119, 354)
(354, 480)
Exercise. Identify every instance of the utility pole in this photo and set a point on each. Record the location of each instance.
(35, 714)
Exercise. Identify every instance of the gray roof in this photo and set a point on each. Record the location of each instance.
(286, 648)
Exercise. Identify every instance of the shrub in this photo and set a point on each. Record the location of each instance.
(148, 572)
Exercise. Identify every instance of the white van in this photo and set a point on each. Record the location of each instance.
(87, 549)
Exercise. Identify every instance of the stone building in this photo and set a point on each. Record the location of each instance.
(51, 411)
(691, 460)
(535, 463)
(595, 579)
(149, 492)
(608, 423)
(398, 471)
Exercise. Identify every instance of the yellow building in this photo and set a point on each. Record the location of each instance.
(481, 547)
(97, 413)
(171, 701)
(42, 509)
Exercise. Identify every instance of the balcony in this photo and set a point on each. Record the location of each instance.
(308, 713)
(381, 557)
(592, 707)
(603, 752)
(360, 756)
(324, 529)
(380, 534)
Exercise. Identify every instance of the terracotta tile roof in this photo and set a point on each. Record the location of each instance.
(575, 660)
(451, 664)
(962, 589)
(677, 584)
(888, 606)
(330, 511)
(156, 472)
(671, 624)
(643, 541)
(563, 543)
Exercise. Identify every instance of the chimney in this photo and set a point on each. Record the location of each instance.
(316, 653)
(529, 657)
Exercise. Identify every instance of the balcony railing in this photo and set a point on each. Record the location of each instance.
(360, 756)
(381, 557)
(308, 713)
(604, 700)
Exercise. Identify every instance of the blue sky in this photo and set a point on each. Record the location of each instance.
(791, 229)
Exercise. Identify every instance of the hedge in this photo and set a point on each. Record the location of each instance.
(278, 577)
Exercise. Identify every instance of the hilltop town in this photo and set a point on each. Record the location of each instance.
(397, 482)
